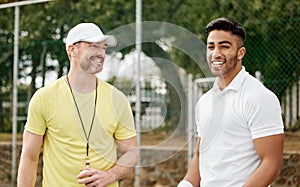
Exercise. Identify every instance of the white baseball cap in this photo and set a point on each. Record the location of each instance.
(89, 32)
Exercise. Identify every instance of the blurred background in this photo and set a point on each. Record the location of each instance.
(172, 77)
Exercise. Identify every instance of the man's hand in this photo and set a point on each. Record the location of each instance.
(94, 178)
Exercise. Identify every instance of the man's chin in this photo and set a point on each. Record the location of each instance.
(216, 72)
(95, 70)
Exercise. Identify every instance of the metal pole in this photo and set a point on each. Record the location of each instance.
(15, 95)
(138, 39)
(190, 118)
(15, 81)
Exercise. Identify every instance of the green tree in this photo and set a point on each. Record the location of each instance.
(272, 36)
(6, 59)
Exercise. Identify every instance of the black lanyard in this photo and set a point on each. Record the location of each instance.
(87, 136)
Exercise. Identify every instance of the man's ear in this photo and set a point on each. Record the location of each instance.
(71, 49)
(241, 53)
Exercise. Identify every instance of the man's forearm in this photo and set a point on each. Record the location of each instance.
(265, 174)
(270, 152)
(27, 173)
(124, 165)
(193, 175)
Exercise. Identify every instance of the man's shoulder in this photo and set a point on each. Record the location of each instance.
(256, 91)
(253, 85)
(110, 89)
(50, 89)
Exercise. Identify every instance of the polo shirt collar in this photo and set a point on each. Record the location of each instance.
(236, 83)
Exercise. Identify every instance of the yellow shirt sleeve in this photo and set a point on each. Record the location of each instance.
(36, 122)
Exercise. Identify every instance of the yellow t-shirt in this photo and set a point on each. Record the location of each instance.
(52, 113)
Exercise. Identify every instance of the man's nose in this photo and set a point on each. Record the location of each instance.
(216, 53)
(101, 52)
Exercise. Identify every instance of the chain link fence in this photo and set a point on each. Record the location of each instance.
(273, 57)
(272, 52)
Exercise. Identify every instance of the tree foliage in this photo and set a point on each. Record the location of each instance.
(272, 34)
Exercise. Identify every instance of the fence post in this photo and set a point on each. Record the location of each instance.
(190, 118)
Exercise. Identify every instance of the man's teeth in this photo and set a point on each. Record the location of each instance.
(97, 60)
(217, 63)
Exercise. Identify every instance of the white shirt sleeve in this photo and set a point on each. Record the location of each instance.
(263, 113)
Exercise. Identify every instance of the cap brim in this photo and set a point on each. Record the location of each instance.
(111, 40)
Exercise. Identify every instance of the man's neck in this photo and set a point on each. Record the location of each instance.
(225, 80)
(82, 83)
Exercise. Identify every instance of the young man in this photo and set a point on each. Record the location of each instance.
(79, 119)
(239, 124)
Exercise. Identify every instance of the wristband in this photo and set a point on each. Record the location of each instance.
(184, 183)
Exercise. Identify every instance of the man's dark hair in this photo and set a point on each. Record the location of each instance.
(226, 24)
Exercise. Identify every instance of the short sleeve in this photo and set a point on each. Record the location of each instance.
(36, 122)
(264, 114)
(122, 108)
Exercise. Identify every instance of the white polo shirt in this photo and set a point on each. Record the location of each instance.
(245, 110)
